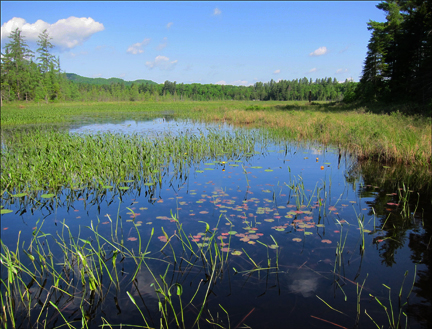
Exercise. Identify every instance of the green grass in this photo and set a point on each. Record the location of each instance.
(38, 159)
(15, 114)
(365, 130)
(394, 138)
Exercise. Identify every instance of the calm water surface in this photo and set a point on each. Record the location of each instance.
(309, 199)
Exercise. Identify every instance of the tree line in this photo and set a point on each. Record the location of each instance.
(24, 79)
(398, 64)
(284, 90)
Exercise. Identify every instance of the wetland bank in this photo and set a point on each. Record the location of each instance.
(214, 214)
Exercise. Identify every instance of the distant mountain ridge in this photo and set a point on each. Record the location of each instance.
(102, 81)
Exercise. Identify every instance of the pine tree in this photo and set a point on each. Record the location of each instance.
(16, 65)
(398, 65)
(45, 57)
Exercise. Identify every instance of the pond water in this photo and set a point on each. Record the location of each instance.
(307, 239)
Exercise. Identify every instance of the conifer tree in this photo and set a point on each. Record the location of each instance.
(16, 65)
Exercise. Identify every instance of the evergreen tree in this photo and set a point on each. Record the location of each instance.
(16, 65)
(398, 65)
(45, 58)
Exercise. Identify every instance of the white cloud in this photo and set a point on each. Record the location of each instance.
(137, 48)
(169, 25)
(162, 45)
(65, 33)
(350, 79)
(222, 82)
(217, 11)
(276, 72)
(240, 83)
(312, 70)
(162, 62)
(338, 71)
(318, 52)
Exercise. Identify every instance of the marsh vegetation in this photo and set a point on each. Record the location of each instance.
(215, 214)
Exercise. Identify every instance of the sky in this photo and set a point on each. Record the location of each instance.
(235, 43)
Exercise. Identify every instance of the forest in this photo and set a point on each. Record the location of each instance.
(24, 79)
(397, 68)
(398, 64)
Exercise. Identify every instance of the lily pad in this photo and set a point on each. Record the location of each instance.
(149, 184)
(200, 171)
(19, 195)
(268, 170)
(236, 253)
(5, 211)
(124, 188)
(47, 196)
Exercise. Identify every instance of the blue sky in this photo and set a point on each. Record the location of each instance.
(236, 43)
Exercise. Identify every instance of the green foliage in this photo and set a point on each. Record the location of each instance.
(49, 159)
(22, 79)
(350, 93)
(254, 108)
(15, 68)
(284, 90)
(398, 65)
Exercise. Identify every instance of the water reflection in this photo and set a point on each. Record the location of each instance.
(151, 127)
(401, 198)
(304, 282)
(277, 191)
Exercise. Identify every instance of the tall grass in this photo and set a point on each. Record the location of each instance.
(64, 268)
(359, 129)
(388, 138)
(51, 159)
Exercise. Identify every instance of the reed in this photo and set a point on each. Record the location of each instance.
(394, 322)
(391, 137)
(394, 138)
(52, 160)
(65, 267)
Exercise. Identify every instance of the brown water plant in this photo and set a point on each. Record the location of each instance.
(390, 138)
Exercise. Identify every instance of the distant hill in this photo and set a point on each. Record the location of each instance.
(102, 81)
